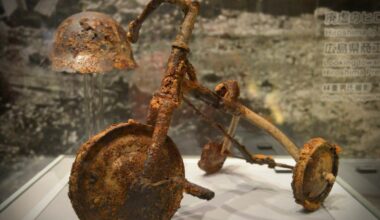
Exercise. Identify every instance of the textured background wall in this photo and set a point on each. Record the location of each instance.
(274, 49)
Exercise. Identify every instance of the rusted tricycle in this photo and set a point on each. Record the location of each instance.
(133, 170)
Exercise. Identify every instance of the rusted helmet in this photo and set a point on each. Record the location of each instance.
(91, 42)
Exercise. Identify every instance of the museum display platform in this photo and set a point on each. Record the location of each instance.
(243, 191)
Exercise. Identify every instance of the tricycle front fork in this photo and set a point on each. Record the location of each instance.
(162, 105)
(169, 95)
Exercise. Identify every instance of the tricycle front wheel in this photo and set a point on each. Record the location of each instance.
(106, 183)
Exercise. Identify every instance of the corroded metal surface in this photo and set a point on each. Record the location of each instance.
(134, 171)
(91, 42)
(212, 158)
(250, 158)
(215, 153)
(105, 183)
(228, 89)
(315, 172)
(237, 108)
(190, 9)
(168, 97)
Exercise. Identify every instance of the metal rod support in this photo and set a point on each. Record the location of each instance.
(236, 108)
(250, 158)
(231, 131)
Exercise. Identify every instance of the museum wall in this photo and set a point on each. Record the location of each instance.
(276, 50)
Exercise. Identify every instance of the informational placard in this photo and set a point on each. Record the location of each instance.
(351, 56)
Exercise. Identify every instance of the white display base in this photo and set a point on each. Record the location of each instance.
(243, 191)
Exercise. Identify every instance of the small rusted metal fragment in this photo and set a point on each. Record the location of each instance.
(228, 89)
(212, 158)
(91, 42)
(314, 174)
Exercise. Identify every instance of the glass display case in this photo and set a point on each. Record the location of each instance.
(310, 68)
